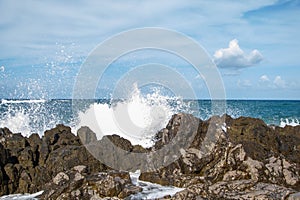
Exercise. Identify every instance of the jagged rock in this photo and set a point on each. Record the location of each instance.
(3, 155)
(239, 189)
(27, 164)
(246, 150)
(65, 185)
(288, 139)
(60, 178)
(86, 135)
(220, 158)
(120, 142)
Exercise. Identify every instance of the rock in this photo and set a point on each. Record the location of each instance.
(28, 164)
(86, 135)
(3, 155)
(80, 168)
(35, 143)
(25, 158)
(139, 149)
(60, 178)
(295, 196)
(120, 142)
(128, 190)
(288, 139)
(24, 182)
(246, 150)
(220, 158)
(65, 185)
(240, 189)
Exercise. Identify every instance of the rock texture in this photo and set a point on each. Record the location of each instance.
(225, 158)
(59, 164)
(246, 159)
(78, 184)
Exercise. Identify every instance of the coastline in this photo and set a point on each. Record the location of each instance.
(247, 158)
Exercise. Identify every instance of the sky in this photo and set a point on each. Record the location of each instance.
(254, 44)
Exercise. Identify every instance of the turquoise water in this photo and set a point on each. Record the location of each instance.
(27, 116)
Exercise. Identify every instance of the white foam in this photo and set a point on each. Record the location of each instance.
(22, 196)
(151, 190)
(27, 116)
(137, 119)
(18, 123)
(289, 122)
(4, 101)
(224, 128)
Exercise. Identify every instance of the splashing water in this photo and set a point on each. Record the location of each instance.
(137, 119)
(289, 122)
(22, 196)
(33, 116)
(151, 190)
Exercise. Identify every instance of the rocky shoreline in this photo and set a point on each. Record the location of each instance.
(246, 160)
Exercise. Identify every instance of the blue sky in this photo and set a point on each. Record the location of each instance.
(255, 44)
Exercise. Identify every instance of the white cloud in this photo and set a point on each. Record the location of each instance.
(88, 23)
(244, 83)
(279, 82)
(2, 69)
(264, 78)
(235, 57)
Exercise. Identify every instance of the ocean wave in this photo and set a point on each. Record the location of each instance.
(22, 196)
(137, 118)
(17, 101)
(289, 122)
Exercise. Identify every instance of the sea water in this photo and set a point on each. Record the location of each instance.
(149, 114)
(146, 113)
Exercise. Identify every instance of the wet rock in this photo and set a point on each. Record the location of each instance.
(60, 178)
(240, 189)
(27, 164)
(294, 196)
(288, 139)
(86, 135)
(120, 142)
(220, 158)
(65, 185)
(3, 155)
(128, 190)
(244, 152)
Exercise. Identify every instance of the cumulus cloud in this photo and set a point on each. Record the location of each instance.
(2, 69)
(235, 57)
(264, 78)
(277, 82)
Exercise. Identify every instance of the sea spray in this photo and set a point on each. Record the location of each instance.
(151, 190)
(145, 114)
(289, 122)
(34, 116)
(145, 111)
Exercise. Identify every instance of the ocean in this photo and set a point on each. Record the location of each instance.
(147, 114)
(36, 116)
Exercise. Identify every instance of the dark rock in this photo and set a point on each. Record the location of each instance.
(86, 135)
(3, 155)
(139, 149)
(27, 164)
(241, 189)
(220, 158)
(288, 139)
(120, 142)
(77, 184)
(245, 150)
